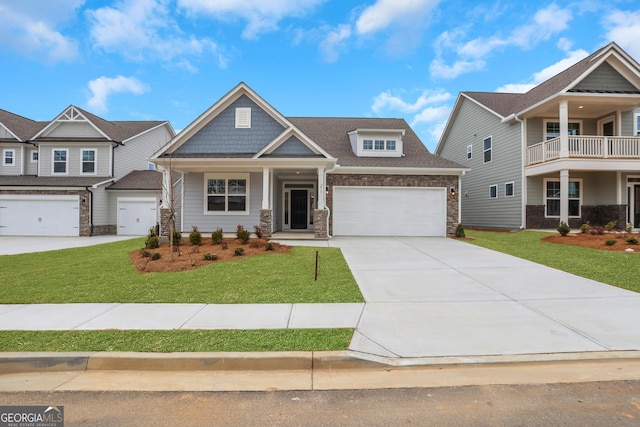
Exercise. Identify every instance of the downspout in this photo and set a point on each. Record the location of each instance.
(329, 236)
(90, 210)
(523, 159)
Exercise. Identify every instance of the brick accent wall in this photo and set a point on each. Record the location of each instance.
(596, 215)
(85, 208)
(368, 180)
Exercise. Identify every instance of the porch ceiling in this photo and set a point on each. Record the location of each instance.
(586, 105)
(555, 166)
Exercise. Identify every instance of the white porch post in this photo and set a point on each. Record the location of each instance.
(265, 187)
(564, 196)
(322, 182)
(167, 192)
(564, 129)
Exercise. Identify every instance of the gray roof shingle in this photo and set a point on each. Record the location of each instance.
(50, 181)
(139, 180)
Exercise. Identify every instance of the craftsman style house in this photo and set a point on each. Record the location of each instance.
(79, 175)
(567, 150)
(241, 162)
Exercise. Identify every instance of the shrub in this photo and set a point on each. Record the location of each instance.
(563, 228)
(156, 256)
(210, 257)
(269, 247)
(460, 231)
(239, 251)
(195, 237)
(610, 225)
(152, 242)
(217, 236)
(177, 237)
(239, 229)
(632, 240)
(145, 253)
(596, 230)
(258, 231)
(243, 235)
(584, 228)
(610, 242)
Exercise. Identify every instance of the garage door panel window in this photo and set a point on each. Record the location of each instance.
(60, 161)
(88, 166)
(226, 194)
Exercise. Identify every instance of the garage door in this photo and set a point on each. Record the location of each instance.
(38, 215)
(136, 215)
(389, 211)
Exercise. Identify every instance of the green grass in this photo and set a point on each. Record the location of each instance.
(178, 341)
(615, 268)
(104, 273)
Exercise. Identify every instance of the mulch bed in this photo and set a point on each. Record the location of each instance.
(587, 240)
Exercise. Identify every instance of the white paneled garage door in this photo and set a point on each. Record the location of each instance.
(39, 215)
(136, 215)
(389, 211)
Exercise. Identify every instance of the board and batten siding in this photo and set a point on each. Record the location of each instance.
(135, 153)
(74, 150)
(193, 209)
(472, 124)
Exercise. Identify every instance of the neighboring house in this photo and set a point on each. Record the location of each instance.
(567, 150)
(244, 163)
(79, 175)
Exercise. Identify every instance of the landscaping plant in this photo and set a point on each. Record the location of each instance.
(563, 228)
(195, 237)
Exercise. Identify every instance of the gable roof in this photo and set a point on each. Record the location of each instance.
(21, 127)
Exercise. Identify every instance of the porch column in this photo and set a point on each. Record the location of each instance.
(564, 196)
(322, 183)
(265, 188)
(564, 129)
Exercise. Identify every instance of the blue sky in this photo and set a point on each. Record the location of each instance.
(172, 59)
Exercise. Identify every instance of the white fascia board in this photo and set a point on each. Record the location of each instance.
(284, 136)
(98, 184)
(56, 122)
(393, 131)
(207, 164)
(9, 130)
(353, 170)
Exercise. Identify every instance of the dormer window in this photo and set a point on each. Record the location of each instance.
(377, 142)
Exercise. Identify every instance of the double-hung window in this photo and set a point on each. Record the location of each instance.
(60, 157)
(227, 193)
(509, 189)
(88, 161)
(9, 157)
(487, 146)
(493, 191)
(469, 151)
(552, 198)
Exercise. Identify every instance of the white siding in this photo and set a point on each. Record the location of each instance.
(100, 206)
(17, 159)
(75, 130)
(74, 158)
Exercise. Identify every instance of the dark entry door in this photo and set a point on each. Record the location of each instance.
(299, 209)
(636, 206)
(607, 129)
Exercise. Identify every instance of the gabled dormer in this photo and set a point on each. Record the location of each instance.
(377, 142)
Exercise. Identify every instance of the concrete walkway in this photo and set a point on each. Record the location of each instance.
(425, 298)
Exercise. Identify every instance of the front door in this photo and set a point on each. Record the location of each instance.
(636, 206)
(299, 209)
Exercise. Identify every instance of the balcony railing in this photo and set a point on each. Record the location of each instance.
(591, 147)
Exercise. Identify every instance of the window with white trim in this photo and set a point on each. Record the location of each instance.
(243, 117)
(378, 144)
(636, 124)
(226, 193)
(367, 144)
(487, 146)
(552, 129)
(88, 161)
(552, 198)
(34, 156)
(493, 191)
(469, 151)
(391, 145)
(59, 158)
(509, 189)
(9, 157)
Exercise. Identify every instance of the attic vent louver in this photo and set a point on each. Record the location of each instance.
(243, 118)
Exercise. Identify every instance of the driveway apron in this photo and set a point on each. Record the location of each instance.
(436, 297)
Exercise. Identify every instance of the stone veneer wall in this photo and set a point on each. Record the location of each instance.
(266, 222)
(368, 180)
(320, 223)
(596, 215)
(85, 208)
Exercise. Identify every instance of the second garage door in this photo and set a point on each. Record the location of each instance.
(39, 215)
(389, 211)
(136, 215)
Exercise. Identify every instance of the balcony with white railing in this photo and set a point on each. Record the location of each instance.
(586, 147)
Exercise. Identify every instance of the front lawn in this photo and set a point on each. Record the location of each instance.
(104, 273)
(615, 268)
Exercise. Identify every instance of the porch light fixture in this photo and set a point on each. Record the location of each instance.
(580, 106)
(452, 190)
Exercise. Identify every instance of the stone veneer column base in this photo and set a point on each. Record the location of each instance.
(321, 227)
(266, 222)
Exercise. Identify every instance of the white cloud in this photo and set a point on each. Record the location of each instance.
(547, 72)
(623, 27)
(144, 29)
(432, 114)
(29, 27)
(334, 42)
(262, 15)
(386, 101)
(384, 13)
(103, 87)
(471, 55)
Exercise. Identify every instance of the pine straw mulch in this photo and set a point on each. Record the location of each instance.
(587, 240)
(187, 257)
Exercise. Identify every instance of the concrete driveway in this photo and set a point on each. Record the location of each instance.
(436, 297)
(11, 245)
